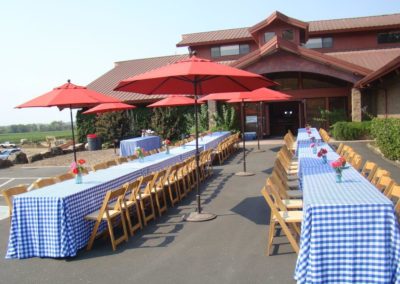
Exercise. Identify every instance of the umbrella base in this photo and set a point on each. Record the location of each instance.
(200, 217)
(258, 151)
(244, 174)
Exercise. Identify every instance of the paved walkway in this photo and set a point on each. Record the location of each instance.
(229, 249)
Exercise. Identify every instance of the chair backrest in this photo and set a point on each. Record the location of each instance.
(110, 196)
(357, 162)
(159, 179)
(121, 160)
(384, 184)
(64, 177)
(10, 193)
(369, 169)
(132, 157)
(42, 182)
(378, 174)
(274, 179)
(132, 189)
(111, 163)
(99, 166)
(146, 183)
(339, 148)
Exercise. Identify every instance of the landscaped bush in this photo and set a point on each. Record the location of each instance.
(387, 134)
(351, 130)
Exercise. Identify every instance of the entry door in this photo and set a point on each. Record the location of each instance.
(284, 117)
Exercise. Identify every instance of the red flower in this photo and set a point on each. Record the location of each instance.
(75, 171)
(167, 142)
(81, 161)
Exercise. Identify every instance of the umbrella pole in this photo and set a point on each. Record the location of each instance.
(198, 216)
(73, 134)
(258, 128)
(244, 173)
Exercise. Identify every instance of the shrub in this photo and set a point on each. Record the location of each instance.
(351, 130)
(170, 122)
(203, 119)
(225, 118)
(387, 134)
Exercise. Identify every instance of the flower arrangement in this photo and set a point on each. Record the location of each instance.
(322, 154)
(167, 143)
(139, 152)
(147, 132)
(77, 169)
(339, 165)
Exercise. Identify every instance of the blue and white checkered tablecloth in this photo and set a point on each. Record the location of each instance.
(210, 141)
(350, 232)
(127, 147)
(49, 222)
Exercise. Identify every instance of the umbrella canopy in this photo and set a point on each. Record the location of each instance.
(173, 101)
(108, 107)
(194, 76)
(258, 95)
(69, 96)
(179, 77)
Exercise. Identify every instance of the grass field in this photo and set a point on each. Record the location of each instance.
(34, 136)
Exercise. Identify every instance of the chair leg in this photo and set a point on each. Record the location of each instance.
(271, 233)
(93, 235)
(111, 233)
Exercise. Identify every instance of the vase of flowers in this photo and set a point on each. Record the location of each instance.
(322, 154)
(140, 153)
(167, 143)
(77, 169)
(339, 165)
(314, 148)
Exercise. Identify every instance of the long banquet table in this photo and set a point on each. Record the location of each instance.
(49, 222)
(350, 232)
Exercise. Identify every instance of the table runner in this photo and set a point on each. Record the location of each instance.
(49, 222)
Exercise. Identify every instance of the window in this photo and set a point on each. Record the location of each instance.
(226, 50)
(268, 36)
(390, 37)
(320, 42)
(288, 35)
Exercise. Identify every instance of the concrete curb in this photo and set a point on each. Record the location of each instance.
(378, 152)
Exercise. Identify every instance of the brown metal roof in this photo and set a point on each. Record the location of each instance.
(124, 69)
(384, 70)
(354, 23)
(372, 59)
(315, 27)
(240, 34)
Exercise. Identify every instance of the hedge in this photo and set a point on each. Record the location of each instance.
(387, 134)
(351, 130)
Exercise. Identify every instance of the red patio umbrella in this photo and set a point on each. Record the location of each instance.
(194, 76)
(258, 95)
(69, 96)
(173, 101)
(109, 107)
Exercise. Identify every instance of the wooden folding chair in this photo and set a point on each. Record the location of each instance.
(99, 166)
(339, 148)
(181, 178)
(10, 193)
(131, 206)
(282, 217)
(111, 163)
(284, 190)
(121, 160)
(357, 162)
(369, 169)
(42, 182)
(158, 191)
(132, 157)
(64, 177)
(172, 185)
(109, 214)
(385, 184)
(145, 198)
(378, 174)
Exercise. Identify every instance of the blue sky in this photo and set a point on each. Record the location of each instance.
(44, 43)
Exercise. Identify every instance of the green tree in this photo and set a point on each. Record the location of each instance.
(170, 122)
(203, 119)
(225, 118)
(85, 124)
(112, 125)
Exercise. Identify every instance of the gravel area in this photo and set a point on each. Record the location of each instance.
(91, 158)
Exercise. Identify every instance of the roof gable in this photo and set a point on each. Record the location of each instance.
(278, 16)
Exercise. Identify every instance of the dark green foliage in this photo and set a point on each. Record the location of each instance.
(351, 130)
(170, 122)
(332, 117)
(113, 125)
(203, 119)
(226, 118)
(387, 134)
(138, 119)
(85, 124)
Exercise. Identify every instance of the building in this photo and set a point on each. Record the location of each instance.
(331, 65)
